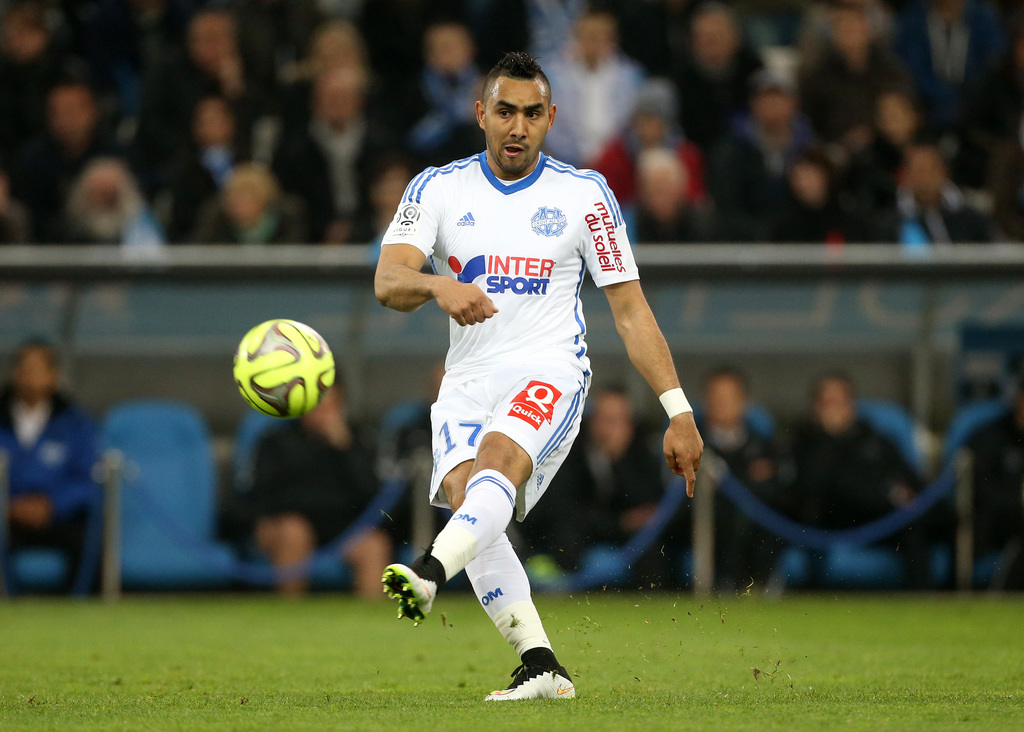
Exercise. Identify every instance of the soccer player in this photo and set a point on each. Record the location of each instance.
(509, 233)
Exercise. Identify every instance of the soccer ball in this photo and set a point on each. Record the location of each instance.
(283, 367)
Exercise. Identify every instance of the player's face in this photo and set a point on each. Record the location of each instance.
(515, 118)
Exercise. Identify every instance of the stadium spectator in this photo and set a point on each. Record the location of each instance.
(595, 89)
(15, 222)
(204, 168)
(610, 485)
(105, 206)
(838, 91)
(212, 64)
(328, 163)
(30, 63)
(50, 444)
(43, 173)
(998, 452)
(930, 209)
(443, 96)
(848, 474)
(1007, 185)
(665, 212)
(746, 171)
(394, 30)
(251, 209)
(872, 174)
(714, 82)
(745, 553)
(312, 479)
(946, 45)
(654, 125)
(387, 186)
(810, 211)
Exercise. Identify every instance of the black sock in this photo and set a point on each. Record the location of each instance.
(429, 569)
(542, 658)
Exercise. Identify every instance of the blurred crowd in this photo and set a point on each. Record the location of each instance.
(153, 122)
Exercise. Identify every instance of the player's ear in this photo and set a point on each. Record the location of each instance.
(551, 115)
(480, 114)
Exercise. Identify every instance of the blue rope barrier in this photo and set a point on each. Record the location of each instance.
(810, 536)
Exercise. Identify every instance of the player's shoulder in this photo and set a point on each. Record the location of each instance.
(433, 179)
(586, 182)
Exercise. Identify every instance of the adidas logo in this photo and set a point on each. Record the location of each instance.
(467, 220)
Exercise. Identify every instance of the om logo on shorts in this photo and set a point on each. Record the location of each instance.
(549, 221)
(535, 404)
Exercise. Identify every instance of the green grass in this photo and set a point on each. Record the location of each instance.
(642, 663)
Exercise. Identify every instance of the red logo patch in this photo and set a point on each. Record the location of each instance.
(535, 404)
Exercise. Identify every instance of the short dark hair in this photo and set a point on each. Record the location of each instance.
(518, 65)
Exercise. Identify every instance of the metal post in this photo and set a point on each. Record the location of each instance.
(704, 525)
(113, 469)
(5, 497)
(964, 520)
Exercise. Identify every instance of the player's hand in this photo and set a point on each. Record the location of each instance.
(683, 448)
(464, 302)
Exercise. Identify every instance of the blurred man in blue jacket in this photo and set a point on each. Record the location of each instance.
(50, 447)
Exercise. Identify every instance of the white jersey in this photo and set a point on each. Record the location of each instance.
(526, 245)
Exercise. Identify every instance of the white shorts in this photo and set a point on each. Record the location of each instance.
(539, 408)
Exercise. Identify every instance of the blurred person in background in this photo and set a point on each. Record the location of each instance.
(105, 206)
(51, 449)
(930, 209)
(328, 163)
(204, 167)
(15, 220)
(747, 170)
(387, 187)
(847, 474)
(838, 91)
(745, 553)
(654, 125)
(443, 96)
(595, 90)
(251, 209)
(1006, 181)
(810, 210)
(715, 80)
(998, 462)
(312, 479)
(47, 165)
(665, 211)
(947, 45)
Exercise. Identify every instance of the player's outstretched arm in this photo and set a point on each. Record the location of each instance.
(399, 284)
(649, 353)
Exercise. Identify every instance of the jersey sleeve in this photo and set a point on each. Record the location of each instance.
(416, 221)
(606, 246)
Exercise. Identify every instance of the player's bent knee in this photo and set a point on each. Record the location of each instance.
(502, 453)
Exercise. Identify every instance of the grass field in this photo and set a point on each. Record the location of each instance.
(641, 663)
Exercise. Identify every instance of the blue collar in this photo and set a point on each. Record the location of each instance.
(520, 184)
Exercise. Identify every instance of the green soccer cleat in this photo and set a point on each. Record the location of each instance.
(415, 595)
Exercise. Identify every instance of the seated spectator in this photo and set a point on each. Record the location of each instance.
(205, 167)
(311, 481)
(595, 89)
(654, 125)
(251, 209)
(946, 45)
(50, 444)
(665, 213)
(445, 126)
(848, 474)
(1006, 181)
(838, 92)
(810, 212)
(15, 223)
(211, 65)
(744, 551)
(30, 63)
(929, 208)
(872, 174)
(610, 485)
(387, 186)
(48, 164)
(714, 83)
(327, 164)
(747, 170)
(105, 206)
(998, 453)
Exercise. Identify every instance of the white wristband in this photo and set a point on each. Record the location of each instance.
(675, 402)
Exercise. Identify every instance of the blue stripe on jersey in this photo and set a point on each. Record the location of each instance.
(431, 172)
(576, 312)
(609, 197)
(492, 479)
(520, 184)
(408, 195)
(563, 429)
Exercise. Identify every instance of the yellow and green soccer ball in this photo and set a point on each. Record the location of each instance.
(283, 367)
